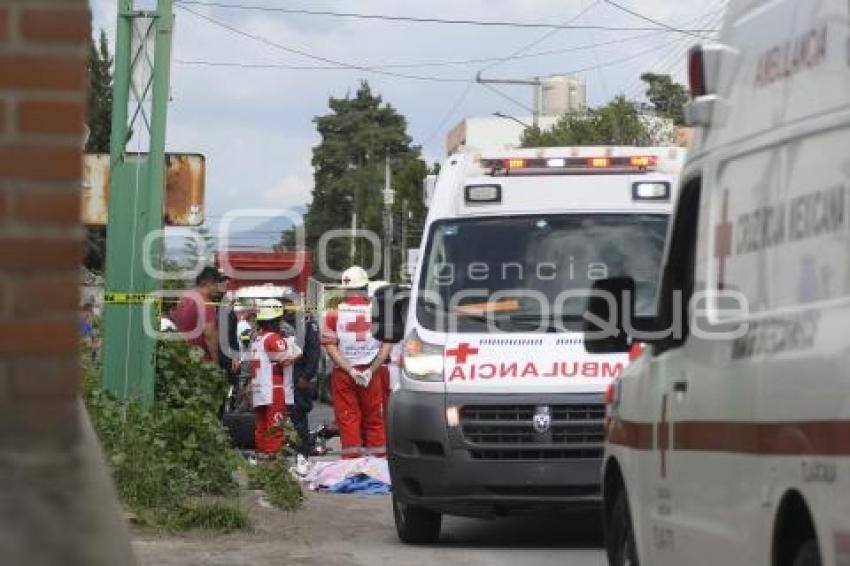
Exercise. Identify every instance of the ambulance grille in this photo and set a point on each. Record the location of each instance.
(506, 432)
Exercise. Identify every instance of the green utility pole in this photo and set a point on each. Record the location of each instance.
(137, 148)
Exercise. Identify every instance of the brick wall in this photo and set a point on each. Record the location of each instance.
(56, 501)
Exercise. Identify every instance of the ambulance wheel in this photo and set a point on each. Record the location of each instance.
(808, 555)
(416, 525)
(620, 536)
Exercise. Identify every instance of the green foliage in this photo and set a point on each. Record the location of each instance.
(100, 127)
(164, 457)
(282, 490)
(357, 135)
(667, 97)
(100, 95)
(199, 249)
(213, 516)
(616, 123)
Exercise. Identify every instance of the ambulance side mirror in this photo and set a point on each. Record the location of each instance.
(389, 313)
(604, 325)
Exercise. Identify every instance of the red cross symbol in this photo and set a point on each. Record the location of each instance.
(461, 352)
(723, 242)
(361, 326)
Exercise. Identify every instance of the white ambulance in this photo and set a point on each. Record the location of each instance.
(499, 409)
(729, 443)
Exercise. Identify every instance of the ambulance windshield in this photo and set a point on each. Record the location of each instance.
(524, 273)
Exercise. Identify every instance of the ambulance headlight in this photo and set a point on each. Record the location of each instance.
(422, 361)
(651, 191)
(483, 194)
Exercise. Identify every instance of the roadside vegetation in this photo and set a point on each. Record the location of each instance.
(173, 463)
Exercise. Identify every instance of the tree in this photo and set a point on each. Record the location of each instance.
(100, 95)
(357, 135)
(617, 123)
(100, 127)
(667, 97)
(199, 250)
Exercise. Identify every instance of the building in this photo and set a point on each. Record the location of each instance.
(553, 97)
(492, 132)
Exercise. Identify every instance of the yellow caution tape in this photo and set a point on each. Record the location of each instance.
(118, 298)
(130, 298)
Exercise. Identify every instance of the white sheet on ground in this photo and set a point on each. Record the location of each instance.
(323, 475)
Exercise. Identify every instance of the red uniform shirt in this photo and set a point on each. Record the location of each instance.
(189, 316)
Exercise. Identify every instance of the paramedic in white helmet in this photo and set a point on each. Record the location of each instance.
(359, 379)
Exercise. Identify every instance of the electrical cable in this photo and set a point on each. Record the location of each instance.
(539, 40)
(314, 57)
(429, 20)
(447, 116)
(692, 33)
(447, 63)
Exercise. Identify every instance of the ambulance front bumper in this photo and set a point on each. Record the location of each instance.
(494, 462)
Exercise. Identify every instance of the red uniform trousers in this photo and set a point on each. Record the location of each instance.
(267, 417)
(359, 413)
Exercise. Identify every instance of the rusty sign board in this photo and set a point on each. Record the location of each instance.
(184, 189)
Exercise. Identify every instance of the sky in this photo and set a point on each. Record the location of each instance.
(255, 125)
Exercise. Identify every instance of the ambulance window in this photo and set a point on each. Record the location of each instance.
(529, 271)
(680, 266)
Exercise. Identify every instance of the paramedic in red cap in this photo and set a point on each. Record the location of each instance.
(271, 354)
(358, 379)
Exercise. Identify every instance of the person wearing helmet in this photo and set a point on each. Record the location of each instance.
(358, 378)
(271, 355)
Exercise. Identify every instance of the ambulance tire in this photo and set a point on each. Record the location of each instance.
(808, 555)
(416, 525)
(620, 536)
(240, 426)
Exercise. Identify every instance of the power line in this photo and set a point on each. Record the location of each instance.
(668, 27)
(447, 63)
(621, 60)
(319, 58)
(507, 97)
(422, 20)
(538, 41)
(447, 116)
(675, 57)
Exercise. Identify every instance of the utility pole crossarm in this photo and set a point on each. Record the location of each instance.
(534, 82)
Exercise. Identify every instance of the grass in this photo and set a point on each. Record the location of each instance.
(282, 490)
(213, 516)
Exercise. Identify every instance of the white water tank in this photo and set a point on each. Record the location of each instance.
(560, 94)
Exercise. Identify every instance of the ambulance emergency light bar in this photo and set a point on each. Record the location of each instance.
(571, 165)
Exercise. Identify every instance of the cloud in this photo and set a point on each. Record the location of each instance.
(256, 128)
(292, 190)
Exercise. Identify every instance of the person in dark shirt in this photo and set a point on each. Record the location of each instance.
(304, 372)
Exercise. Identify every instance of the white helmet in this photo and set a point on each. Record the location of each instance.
(269, 309)
(355, 277)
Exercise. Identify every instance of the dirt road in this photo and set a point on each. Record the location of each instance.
(343, 530)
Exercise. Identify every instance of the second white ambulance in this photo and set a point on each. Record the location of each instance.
(729, 441)
(499, 408)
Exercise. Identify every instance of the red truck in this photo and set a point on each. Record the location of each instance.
(257, 267)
